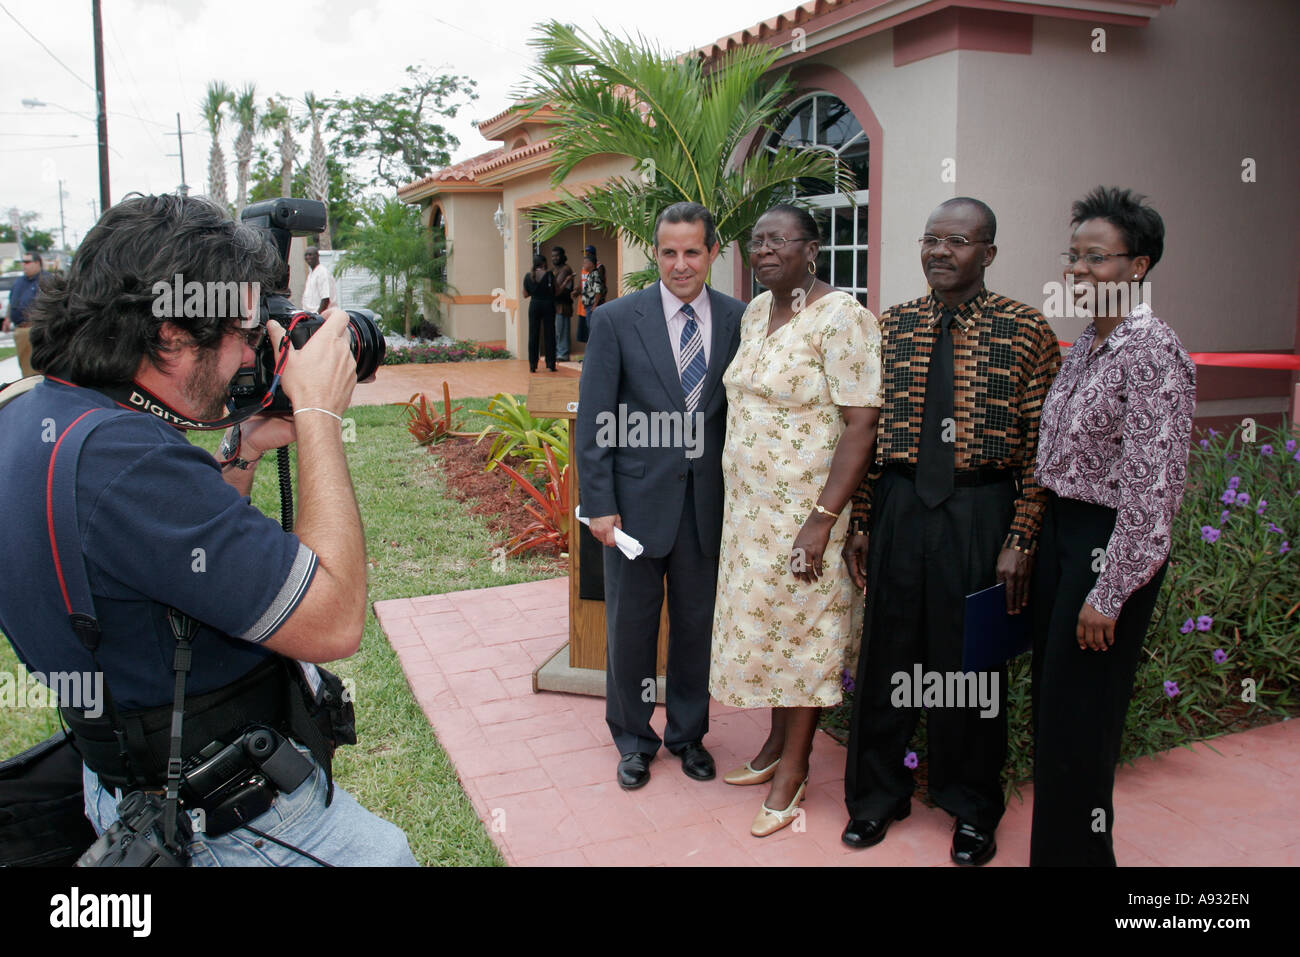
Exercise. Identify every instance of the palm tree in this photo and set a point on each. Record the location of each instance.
(679, 120)
(319, 174)
(246, 115)
(278, 119)
(393, 245)
(218, 95)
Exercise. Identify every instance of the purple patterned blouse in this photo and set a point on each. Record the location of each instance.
(1115, 431)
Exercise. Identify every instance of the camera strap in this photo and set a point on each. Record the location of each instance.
(74, 584)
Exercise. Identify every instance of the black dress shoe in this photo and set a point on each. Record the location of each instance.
(971, 846)
(867, 832)
(696, 762)
(634, 770)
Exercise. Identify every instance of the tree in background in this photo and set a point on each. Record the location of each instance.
(278, 120)
(218, 96)
(395, 134)
(246, 117)
(37, 240)
(392, 244)
(679, 120)
(318, 175)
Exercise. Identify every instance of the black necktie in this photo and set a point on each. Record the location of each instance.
(935, 458)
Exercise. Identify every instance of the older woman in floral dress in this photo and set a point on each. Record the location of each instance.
(803, 397)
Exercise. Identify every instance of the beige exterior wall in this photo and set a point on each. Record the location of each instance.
(474, 266)
(917, 110)
(530, 190)
(1039, 131)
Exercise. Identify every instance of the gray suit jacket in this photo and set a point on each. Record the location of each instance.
(629, 380)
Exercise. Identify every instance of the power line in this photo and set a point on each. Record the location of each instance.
(45, 48)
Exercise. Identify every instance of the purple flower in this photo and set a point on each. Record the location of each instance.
(1171, 688)
(1234, 482)
(1214, 433)
(1297, 456)
(846, 682)
(1205, 443)
(1290, 445)
(1284, 548)
(1220, 656)
(1231, 456)
(1223, 516)
(1188, 626)
(1263, 504)
(1266, 450)
(1243, 498)
(1229, 497)
(1274, 528)
(909, 760)
(1209, 534)
(1204, 622)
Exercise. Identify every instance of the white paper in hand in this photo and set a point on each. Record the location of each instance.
(628, 545)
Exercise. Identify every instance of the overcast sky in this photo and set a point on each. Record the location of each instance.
(160, 55)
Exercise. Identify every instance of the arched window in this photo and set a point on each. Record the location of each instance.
(822, 121)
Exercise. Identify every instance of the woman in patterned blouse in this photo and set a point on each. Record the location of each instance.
(803, 397)
(1112, 452)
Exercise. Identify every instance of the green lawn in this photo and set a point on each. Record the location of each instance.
(6, 352)
(419, 541)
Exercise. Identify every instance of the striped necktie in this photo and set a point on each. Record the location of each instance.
(691, 364)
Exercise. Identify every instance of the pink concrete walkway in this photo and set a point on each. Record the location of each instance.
(539, 768)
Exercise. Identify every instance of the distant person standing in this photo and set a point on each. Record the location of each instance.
(21, 296)
(593, 290)
(564, 281)
(321, 291)
(539, 287)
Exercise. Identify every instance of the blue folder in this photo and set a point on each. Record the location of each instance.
(992, 636)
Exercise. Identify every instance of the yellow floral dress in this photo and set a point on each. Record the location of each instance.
(779, 642)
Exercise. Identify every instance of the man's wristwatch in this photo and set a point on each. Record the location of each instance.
(228, 451)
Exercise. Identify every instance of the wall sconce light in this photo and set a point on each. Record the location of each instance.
(502, 221)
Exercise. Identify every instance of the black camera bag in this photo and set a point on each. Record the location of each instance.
(42, 810)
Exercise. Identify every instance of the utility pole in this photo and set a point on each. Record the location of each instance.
(63, 236)
(102, 121)
(183, 190)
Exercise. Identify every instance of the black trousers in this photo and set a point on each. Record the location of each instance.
(921, 564)
(634, 595)
(1081, 696)
(541, 323)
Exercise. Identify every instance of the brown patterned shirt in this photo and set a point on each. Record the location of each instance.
(1005, 357)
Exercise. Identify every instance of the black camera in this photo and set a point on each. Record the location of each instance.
(138, 838)
(237, 782)
(286, 218)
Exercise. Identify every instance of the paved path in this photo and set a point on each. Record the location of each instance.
(482, 378)
(539, 768)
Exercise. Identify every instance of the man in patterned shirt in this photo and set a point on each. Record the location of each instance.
(952, 508)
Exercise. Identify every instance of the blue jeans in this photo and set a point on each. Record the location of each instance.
(561, 338)
(344, 834)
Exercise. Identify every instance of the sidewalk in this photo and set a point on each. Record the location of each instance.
(539, 768)
(481, 378)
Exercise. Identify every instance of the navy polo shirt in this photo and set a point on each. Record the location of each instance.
(21, 296)
(159, 527)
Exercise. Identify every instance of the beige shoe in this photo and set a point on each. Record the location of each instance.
(747, 774)
(769, 821)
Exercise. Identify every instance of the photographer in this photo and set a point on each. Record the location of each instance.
(162, 525)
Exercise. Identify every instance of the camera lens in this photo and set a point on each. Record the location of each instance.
(367, 342)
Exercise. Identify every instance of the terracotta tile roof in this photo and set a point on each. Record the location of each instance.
(462, 172)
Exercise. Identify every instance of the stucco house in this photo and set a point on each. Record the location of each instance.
(1025, 104)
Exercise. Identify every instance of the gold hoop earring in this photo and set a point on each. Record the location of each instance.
(812, 269)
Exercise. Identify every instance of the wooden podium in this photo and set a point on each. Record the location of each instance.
(554, 397)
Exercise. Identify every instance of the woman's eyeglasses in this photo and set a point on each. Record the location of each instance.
(774, 243)
(1092, 259)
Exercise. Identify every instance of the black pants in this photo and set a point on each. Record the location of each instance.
(921, 564)
(634, 595)
(541, 322)
(1081, 696)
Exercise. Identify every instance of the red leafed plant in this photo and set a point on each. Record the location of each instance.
(552, 525)
(428, 429)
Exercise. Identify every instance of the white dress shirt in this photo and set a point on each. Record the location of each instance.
(320, 285)
(677, 321)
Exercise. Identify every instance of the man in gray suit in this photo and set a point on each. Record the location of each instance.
(651, 419)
